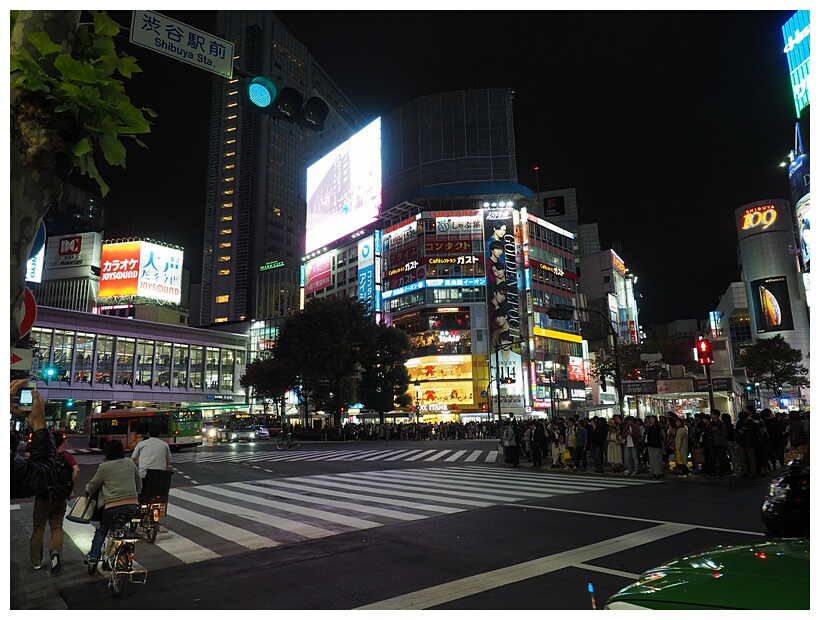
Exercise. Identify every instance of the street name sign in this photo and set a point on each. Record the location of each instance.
(183, 42)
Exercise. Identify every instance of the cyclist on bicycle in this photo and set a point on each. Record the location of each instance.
(119, 483)
(151, 453)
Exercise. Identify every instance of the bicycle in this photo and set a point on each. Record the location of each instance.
(286, 443)
(118, 555)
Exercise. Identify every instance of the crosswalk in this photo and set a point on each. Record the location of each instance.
(211, 521)
(428, 455)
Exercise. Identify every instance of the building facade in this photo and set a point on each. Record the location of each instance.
(255, 201)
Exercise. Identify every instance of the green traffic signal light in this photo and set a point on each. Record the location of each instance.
(260, 92)
(50, 372)
(69, 403)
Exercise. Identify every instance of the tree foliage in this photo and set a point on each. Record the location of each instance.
(773, 363)
(268, 379)
(71, 104)
(384, 378)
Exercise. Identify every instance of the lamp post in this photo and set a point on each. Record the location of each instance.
(417, 383)
(567, 313)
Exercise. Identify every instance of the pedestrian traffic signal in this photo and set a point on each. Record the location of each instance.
(287, 104)
(704, 349)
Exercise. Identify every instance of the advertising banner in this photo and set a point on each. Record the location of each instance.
(317, 273)
(766, 217)
(646, 386)
(366, 273)
(673, 386)
(803, 208)
(141, 268)
(120, 271)
(72, 256)
(773, 310)
(500, 251)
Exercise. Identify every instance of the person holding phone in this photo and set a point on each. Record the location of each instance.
(31, 476)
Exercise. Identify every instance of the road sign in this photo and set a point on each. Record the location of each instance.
(29, 313)
(178, 40)
(21, 359)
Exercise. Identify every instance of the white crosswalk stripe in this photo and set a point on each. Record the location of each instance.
(211, 521)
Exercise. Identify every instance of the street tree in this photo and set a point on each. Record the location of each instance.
(324, 344)
(269, 379)
(384, 377)
(773, 363)
(69, 111)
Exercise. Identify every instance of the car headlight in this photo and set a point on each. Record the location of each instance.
(778, 491)
(212, 432)
(233, 435)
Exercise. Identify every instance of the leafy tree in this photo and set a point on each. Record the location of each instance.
(67, 110)
(323, 344)
(773, 363)
(269, 379)
(384, 378)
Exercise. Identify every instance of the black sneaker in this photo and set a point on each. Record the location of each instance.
(56, 565)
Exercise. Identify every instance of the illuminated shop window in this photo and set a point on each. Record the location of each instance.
(221, 319)
(222, 299)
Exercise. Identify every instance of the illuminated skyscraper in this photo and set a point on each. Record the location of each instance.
(255, 202)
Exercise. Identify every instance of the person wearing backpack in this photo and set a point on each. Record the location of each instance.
(50, 508)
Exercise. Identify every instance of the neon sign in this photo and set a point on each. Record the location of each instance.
(759, 216)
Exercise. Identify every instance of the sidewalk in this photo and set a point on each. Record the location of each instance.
(29, 589)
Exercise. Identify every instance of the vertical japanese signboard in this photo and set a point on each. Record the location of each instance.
(366, 253)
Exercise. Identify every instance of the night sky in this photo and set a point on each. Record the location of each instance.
(664, 122)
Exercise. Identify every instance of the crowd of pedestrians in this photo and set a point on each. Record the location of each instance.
(419, 431)
(710, 444)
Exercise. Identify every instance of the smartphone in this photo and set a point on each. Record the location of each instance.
(25, 397)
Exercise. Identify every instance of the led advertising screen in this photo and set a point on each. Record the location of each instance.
(141, 268)
(796, 40)
(317, 273)
(344, 188)
(773, 310)
(803, 208)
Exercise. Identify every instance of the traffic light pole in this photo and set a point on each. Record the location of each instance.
(708, 368)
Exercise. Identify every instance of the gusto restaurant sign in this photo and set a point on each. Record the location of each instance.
(763, 217)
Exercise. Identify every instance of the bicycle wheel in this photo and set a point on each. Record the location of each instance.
(296, 444)
(151, 533)
(119, 571)
(280, 444)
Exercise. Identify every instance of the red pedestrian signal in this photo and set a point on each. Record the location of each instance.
(704, 348)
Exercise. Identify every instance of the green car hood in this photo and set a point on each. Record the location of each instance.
(771, 574)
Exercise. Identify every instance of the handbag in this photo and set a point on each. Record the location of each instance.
(82, 511)
(566, 457)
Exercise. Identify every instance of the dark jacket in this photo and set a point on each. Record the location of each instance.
(720, 436)
(654, 436)
(31, 476)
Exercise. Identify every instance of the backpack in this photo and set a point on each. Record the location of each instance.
(62, 482)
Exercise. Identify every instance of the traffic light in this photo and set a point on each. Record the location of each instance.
(261, 95)
(49, 372)
(704, 349)
(507, 380)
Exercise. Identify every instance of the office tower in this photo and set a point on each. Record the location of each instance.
(255, 203)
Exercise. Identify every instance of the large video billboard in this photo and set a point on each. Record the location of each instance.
(344, 188)
(773, 311)
(141, 268)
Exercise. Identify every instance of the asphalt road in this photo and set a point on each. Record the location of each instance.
(403, 525)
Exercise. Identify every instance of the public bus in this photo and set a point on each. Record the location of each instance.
(271, 422)
(235, 426)
(179, 427)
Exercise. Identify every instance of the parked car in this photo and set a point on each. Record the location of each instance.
(764, 574)
(785, 510)
(262, 433)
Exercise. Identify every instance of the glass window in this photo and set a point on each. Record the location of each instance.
(212, 368)
(63, 353)
(225, 231)
(84, 358)
(105, 359)
(163, 365)
(196, 367)
(226, 372)
(126, 348)
(224, 272)
(40, 347)
(224, 259)
(222, 299)
(145, 361)
(181, 352)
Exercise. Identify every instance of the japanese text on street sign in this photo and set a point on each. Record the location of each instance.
(177, 40)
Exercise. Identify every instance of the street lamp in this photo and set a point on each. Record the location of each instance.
(567, 313)
(417, 383)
